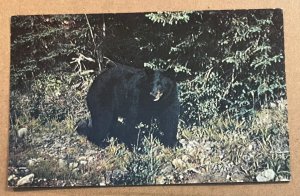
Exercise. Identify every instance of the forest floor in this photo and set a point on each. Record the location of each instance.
(223, 150)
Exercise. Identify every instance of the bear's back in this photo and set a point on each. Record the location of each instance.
(117, 78)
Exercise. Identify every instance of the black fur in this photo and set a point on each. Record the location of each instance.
(135, 95)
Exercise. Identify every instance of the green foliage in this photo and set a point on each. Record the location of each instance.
(234, 58)
(169, 17)
(256, 69)
(197, 98)
(227, 61)
(46, 45)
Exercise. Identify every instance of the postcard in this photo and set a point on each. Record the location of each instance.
(157, 98)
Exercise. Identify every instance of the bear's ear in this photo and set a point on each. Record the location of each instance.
(109, 63)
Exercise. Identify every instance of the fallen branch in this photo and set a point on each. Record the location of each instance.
(79, 59)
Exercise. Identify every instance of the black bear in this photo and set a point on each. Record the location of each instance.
(134, 95)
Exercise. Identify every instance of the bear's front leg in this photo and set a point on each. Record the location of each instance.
(168, 124)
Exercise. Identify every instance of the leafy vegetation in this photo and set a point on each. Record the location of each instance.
(230, 70)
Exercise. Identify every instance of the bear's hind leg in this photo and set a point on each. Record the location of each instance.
(101, 124)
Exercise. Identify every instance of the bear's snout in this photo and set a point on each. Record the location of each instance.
(156, 94)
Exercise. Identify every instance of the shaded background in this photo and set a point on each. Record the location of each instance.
(228, 62)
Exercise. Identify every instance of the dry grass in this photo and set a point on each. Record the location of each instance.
(222, 150)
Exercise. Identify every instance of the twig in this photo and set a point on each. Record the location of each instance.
(80, 58)
(93, 39)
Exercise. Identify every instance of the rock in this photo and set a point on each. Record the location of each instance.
(160, 180)
(250, 147)
(22, 132)
(104, 180)
(237, 177)
(25, 180)
(192, 148)
(178, 163)
(82, 158)
(273, 105)
(83, 162)
(57, 145)
(31, 162)
(91, 159)
(62, 163)
(11, 177)
(266, 176)
(22, 171)
(76, 170)
(73, 165)
(183, 142)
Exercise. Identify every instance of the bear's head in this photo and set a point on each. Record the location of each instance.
(160, 85)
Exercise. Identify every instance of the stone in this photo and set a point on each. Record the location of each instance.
(62, 163)
(91, 159)
(25, 180)
(82, 158)
(160, 180)
(266, 176)
(76, 170)
(73, 165)
(183, 142)
(83, 162)
(22, 132)
(178, 163)
(31, 162)
(11, 177)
